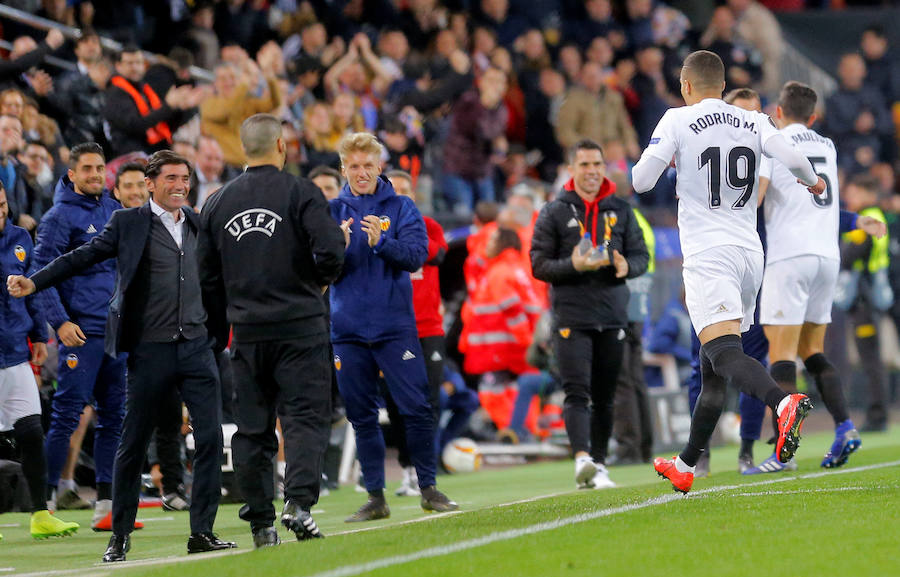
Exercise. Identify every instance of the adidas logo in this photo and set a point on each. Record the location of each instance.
(572, 223)
(408, 356)
(91, 229)
(436, 356)
(722, 309)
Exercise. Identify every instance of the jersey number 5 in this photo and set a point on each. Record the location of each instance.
(826, 198)
(712, 156)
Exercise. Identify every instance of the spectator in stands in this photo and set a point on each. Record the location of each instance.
(649, 85)
(36, 173)
(352, 72)
(37, 126)
(856, 117)
(11, 142)
(758, 27)
(234, 101)
(87, 51)
(21, 61)
(80, 106)
(597, 21)
(319, 137)
(404, 153)
(328, 180)
(882, 67)
(477, 125)
(496, 16)
(570, 61)
(420, 22)
(742, 62)
(242, 23)
(200, 38)
(542, 112)
(211, 170)
(393, 49)
(135, 117)
(596, 112)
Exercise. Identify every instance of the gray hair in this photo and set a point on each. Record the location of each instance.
(259, 133)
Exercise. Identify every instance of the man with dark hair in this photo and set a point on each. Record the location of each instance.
(157, 316)
(20, 405)
(77, 311)
(136, 118)
(585, 244)
(328, 180)
(723, 257)
(131, 187)
(268, 226)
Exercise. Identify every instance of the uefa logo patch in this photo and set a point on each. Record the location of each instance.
(19, 251)
(72, 360)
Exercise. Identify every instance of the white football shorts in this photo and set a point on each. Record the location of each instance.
(798, 290)
(18, 395)
(721, 284)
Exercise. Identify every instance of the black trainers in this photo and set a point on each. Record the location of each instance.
(300, 521)
(435, 501)
(375, 508)
(265, 537)
(176, 501)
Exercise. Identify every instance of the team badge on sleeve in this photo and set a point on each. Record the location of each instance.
(72, 360)
(19, 251)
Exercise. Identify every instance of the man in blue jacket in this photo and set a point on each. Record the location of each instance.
(373, 327)
(20, 405)
(77, 310)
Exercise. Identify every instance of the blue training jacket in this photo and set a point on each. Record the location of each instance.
(75, 220)
(372, 299)
(19, 318)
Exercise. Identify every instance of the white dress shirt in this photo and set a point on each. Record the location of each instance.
(174, 227)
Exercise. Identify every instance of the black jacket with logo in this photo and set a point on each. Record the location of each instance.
(267, 246)
(593, 299)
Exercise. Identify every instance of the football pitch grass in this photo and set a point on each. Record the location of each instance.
(529, 520)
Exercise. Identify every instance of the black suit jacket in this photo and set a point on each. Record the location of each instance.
(123, 238)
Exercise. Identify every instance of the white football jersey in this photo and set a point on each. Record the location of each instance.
(798, 222)
(717, 149)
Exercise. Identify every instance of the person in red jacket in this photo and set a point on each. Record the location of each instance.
(430, 326)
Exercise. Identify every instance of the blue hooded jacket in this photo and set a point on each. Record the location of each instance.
(19, 318)
(74, 220)
(372, 299)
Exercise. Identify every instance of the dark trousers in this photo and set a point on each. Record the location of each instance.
(400, 359)
(589, 364)
(632, 426)
(290, 379)
(156, 371)
(868, 344)
(165, 444)
(433, 353)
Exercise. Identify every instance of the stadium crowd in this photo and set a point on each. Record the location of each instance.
(482, 107)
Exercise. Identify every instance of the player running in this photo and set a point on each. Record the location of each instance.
(717, 149)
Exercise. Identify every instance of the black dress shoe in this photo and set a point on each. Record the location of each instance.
(205, 542)
(118, 546)
(266, 537)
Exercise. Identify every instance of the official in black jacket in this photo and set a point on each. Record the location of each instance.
(268, 249)
(157, 316)
(589, 300)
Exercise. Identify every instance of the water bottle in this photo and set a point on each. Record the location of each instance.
(585, 245)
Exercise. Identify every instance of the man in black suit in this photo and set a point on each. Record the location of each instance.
(157, 316)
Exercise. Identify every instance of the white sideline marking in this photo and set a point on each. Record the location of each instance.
(350, 570)
(807, 491)
(102, 569)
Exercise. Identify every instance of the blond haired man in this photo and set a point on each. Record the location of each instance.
(373, 327)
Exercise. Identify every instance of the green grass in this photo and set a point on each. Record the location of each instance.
(829, 524)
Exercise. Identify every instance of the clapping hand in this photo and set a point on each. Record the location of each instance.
(371, 225)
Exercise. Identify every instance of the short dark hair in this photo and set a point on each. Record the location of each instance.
(875, 29)
(163, 158)
(797, 100)
(867, 182)
(86, 34)
(583, 144)
(706, 69)
(508, 238)
(132, 166)
(741, 94)
(128, 49)
(486, 211)
(80, 150)
(324, 170)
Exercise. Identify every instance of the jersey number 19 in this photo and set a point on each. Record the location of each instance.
(712, 157)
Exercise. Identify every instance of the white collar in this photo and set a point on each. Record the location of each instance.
(160, 211)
